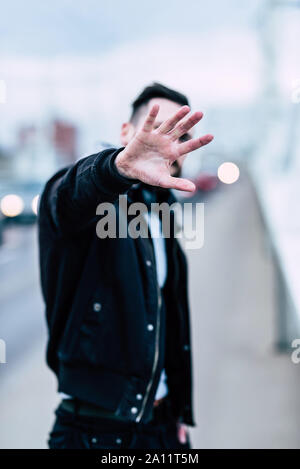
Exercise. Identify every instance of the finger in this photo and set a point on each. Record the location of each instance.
(170, 182)
(194, 144)
(169, 124)
(184, 126)
(149, 122)
(182, 434)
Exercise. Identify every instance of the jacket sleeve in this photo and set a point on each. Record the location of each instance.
(71, 196)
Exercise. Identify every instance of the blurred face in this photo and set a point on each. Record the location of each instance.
(166, 110)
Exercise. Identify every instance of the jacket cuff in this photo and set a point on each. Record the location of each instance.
(106, 176)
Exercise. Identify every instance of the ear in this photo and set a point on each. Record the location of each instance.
(127, 133)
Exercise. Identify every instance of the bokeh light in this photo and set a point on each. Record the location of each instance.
(34, 204)
(12, 205)
(228, 173)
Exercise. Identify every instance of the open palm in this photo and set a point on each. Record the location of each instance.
(151, 153)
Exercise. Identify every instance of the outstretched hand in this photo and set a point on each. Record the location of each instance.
(151, 152)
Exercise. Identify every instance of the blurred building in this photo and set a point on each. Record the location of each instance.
(5, 161)
(41, 150)
(64, 138)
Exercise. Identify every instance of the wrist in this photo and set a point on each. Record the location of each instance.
(120, 165)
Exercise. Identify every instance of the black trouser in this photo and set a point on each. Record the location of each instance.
(73, 431)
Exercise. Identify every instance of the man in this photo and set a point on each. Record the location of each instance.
(116, 306)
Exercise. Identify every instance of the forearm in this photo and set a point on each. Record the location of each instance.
(72, 197)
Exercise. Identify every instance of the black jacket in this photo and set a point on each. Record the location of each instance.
(102, 294)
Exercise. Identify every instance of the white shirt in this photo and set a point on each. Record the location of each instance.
(154, 224)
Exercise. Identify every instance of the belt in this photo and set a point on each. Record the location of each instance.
(85, 409)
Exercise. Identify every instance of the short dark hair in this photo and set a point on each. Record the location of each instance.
(155, 90)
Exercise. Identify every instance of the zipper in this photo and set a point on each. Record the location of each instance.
(156, 354)
(157, 336)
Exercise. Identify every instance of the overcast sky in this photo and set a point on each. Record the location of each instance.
(85, 61)
(82, 27)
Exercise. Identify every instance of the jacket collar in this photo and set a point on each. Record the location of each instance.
(148, 194)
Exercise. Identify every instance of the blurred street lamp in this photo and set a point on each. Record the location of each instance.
(12, 205)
